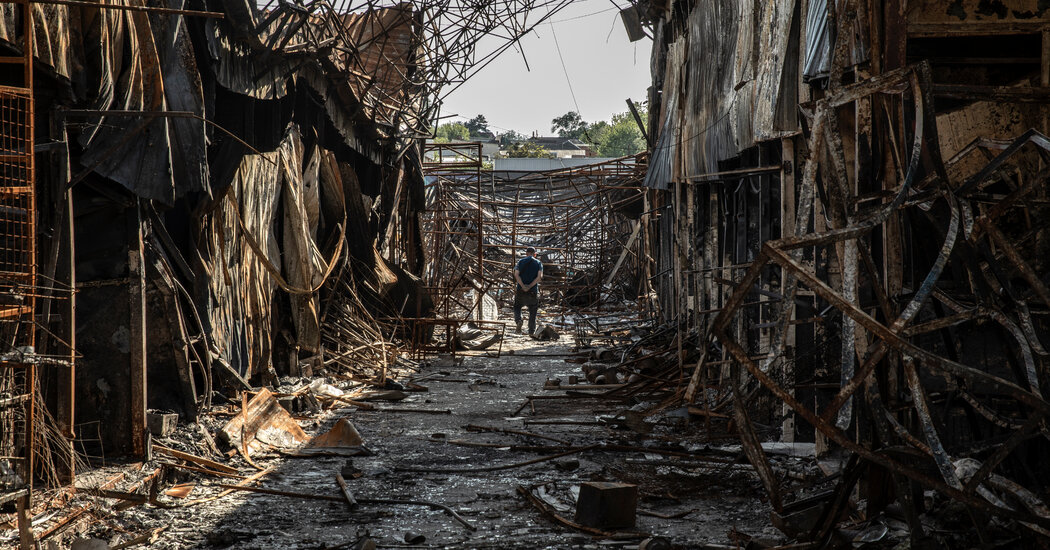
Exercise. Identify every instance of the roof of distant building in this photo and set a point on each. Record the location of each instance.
(557, 143)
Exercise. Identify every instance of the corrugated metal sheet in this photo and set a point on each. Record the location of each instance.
(113, 62)
(128, 61)
(818, 41)
(715, 111)
(239, 68)
(241, 289)
(820, 37)
(53, 35)
(723, 80)
(364, 71)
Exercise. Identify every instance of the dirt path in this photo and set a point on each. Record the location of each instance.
(481, 391)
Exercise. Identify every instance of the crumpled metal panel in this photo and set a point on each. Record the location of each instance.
(364, 72)
(124, 60)
(818, 41)
(820, 36)
(304, 265)
(239, 68)
(55, 32)
(242, 290)
(726, 70)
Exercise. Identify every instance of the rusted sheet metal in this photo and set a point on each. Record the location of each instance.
(729, 101)
(53, 38)
(263, 423)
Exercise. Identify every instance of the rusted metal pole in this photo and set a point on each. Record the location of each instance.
(137, 324)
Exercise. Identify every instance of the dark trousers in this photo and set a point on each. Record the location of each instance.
(529, 299)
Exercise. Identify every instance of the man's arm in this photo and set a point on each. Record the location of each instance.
(517, 277)
(536, 281)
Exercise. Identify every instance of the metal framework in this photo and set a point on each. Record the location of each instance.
(402, 60)
(478, 223)
(17, 285)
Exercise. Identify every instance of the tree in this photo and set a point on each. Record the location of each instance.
(622, 136)
(622, 140)
(451, 131)
(570, 125)
(510, 137)
(527, 149)
(478, 126)
(596, 133)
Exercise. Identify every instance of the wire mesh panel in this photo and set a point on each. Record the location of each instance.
(17, 290)
(17, 268)
(16, 179)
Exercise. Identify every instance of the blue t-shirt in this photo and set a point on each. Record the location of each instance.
(528, 268)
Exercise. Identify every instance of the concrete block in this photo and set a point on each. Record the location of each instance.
(161, 424)
(605, 505)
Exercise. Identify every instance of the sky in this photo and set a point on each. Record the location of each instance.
(604, 69)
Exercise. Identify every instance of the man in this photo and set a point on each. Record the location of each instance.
(527, 273)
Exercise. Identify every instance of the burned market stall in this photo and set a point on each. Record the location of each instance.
(852, 255)
(201, 197)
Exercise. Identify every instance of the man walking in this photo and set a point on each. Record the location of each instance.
(527, 273)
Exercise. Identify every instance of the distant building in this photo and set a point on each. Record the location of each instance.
(489, 147)
(564, 148)
(516, 166)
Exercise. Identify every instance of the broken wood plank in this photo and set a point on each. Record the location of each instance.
(199, 460)
(110, 493)
(563, 423)
(147, 538)
(70, 518)
(251, 479)
(350, 500)
(311, 496)
(494, 468)
(581, 387)
(703, 412)
(198, 469)
(475, 428)
(421, 411)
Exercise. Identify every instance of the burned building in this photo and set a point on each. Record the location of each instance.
(191, 189)
(853, 235)
(224, 215)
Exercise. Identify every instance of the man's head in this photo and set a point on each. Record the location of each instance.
(530, 251)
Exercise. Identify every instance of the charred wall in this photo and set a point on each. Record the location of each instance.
(219, 187)
(874, 276)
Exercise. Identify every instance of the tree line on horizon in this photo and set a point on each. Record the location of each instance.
(620, 136)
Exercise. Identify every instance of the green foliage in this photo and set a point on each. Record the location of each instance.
(511, 137)
(617, 137)
(596, 133)
(451, 131)
(623, 137)
(527, 149)
(478, 126)
(569, 125)
(622, 140)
